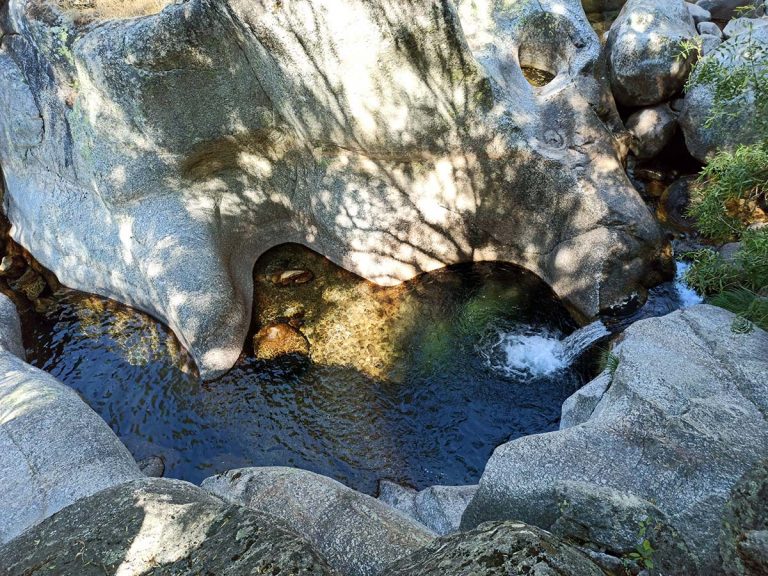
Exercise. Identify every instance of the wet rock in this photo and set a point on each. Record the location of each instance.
(644, 51)
(31, 284)
(698, 13)
(439, 508)
(681, 422)
(54, 449)
(12, 267)
(163, 528)
(356, 534)
(153, 467)
(652, 129)
(674, 203)
(744, 536)
(291, 277)
(239, 149)
(616, 524)
(739, 126)
(279, 339)
(496, 549)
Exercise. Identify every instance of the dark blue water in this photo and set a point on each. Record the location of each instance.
(437, 424)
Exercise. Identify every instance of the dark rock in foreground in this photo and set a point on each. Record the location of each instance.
(158, 527)
(497, 549)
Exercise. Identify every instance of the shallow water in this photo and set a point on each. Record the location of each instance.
(396, 386)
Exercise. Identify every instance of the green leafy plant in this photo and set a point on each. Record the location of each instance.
(643, 553)
(730, 191)
(607, 360)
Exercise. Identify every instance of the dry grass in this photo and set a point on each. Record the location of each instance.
(85, 11)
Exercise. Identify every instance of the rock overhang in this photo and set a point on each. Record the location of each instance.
(178, 147)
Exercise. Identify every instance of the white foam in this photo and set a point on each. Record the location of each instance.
(525, 353)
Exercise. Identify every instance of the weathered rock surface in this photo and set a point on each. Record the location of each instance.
(744, 538)
(159, 527)
(439, 508)
(496, 549)
(356, 534)
(739, 26)
(698, 13)
(644, 51)
(603, 519)
(580, 406)
(742, 124)
(154, 159)
(652, 129)
(53, 448)
(683, 419)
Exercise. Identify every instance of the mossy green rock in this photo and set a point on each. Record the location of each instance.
(159, 527)
(497, 549)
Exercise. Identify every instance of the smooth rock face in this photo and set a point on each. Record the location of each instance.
(652, 129)
(356, 534)
(709, 43)
(580, 406)
(644, 51)
(709, 28)
(439, 508)
(744, 537)
(154, 159)
(53, 448)
(739, 125)
(683, 419)
(497, 549)
(159, 527)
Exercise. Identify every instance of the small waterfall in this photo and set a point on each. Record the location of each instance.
(529, 353)
(578, 342)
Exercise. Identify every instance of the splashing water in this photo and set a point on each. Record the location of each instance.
(531, 353)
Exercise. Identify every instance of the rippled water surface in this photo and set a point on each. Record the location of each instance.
(397, 386)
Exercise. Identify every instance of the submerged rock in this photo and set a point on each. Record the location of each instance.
(279, 339)
(497, 549)
(163, 528)
(54, 449)
(644, 46)
(682, 420)
(168, 151)
(356, 534)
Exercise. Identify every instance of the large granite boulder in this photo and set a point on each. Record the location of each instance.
(682, 419)
(497, 549)
(744, 537)
(644, 46)
(357, 534)
(153, 159)
(54, 449)
(743, 120)
(163, 528)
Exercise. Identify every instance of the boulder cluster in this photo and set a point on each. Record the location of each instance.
(152, 153)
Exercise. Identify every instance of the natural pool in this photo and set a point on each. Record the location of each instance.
(399, 384)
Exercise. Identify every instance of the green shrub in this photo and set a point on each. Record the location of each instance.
(729, 191)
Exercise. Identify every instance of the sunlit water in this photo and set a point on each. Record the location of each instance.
(433, 415)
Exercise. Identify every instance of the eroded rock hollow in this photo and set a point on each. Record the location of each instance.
(153, 159)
